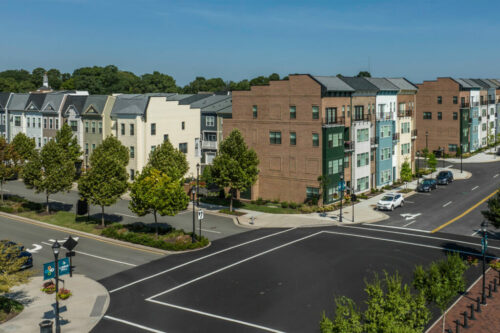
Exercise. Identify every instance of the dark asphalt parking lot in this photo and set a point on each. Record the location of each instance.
(267, 280)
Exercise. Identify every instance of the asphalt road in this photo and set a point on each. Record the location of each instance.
(428, 211)
(268, 280)
(94, 258)
(213, 226)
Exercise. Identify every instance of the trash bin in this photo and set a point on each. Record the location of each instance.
(45, 326)
(82, 207)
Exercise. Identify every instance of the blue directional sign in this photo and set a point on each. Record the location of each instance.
(341, 185)
(484, 243)
(50, 267)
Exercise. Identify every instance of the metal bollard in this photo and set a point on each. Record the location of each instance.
(495, 283)
(489, 290)
(457, 326)
(478, 301)
(472, 317)
(465, 319)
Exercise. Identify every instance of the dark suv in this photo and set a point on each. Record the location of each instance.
(444, 177)
(427, 185)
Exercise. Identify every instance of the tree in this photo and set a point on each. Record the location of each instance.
(235, 166)
(364, 74)
(8, 163)
(107, 178)
(406, 173)
(24, 146)
(348, 318)
(432, 162)
(442, 281)
(169, 160)
(158, 82)
(206, 175)
(153, 192)
(68, 143)
(10, 267)
(49, 171)
(493, 212)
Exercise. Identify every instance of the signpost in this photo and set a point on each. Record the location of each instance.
(201, 215)
(70, 244)
(49, 269)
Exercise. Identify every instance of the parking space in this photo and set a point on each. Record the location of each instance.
(275, 281)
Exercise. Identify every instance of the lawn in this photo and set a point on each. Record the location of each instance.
(66, 219)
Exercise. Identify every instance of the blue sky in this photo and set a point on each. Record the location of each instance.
(242, 39)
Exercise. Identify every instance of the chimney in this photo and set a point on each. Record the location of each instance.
(45, 80)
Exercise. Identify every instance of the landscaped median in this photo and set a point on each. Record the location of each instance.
(139, 233)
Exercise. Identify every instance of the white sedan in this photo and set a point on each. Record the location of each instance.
(391, 201)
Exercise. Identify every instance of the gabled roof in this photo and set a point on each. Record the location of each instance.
(228, 110)
(18, 102)
(209, 101)
(53, 102)
(360, 84)
(481, 83)
(465, 84)
(333, 83)
(492, 83)
(193, 98)
(76, 102)
(94, 104)
(471, 83)
(216, 107)
(178, 97)
(133, 104)
(35, 102)
(4, 98)
(382, 84)
(402, 84)
(495, 81)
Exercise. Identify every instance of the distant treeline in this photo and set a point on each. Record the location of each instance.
(109, 79)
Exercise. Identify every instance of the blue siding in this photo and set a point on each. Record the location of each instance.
(474, 135)
(384, 143)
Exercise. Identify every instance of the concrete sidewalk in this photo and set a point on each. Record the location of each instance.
(364, 211)
(482, 157)
(79, 313)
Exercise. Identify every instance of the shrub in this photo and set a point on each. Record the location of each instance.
(362, 196)
(275, 201)
(260, 201)
(8, 305)
(7, 209)
(292, 204)
(387, 187)
(284, 204)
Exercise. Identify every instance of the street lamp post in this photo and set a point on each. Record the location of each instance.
(194, 208)
(461, 155)
(341, 195)
(418, 157)
(55, 248)
(442, 155)
(484, 242)
(198, 191)
(426, 135)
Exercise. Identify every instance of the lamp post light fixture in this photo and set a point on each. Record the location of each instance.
(55, 248)
(426, 135)
(484, 243)
(341, 195)
(418, 157)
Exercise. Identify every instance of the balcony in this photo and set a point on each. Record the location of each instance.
(414, 134)
(405, 113)
(395, 137)
(348, 146)
(474, 104)
(384, 116)
(362, 117)
(464, 105)
(491, 101)
(374, 142)
(484, 102)
(209, 145)
(333, 121)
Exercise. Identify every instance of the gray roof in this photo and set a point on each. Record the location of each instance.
(333, 83)
(216, 107)
(96, 101)
(134, 104)
(481, 83)
(53, 102)
(464, 83)
(495, 81)
(178, 97)
(492, 83)
(402, 83)
(36, 100)
(77, 101)
(193, 98)
(360, 84)
(4, 98)
(209, 101)
(226, 111)
(18, 102)
(471, 83)
(382, 84)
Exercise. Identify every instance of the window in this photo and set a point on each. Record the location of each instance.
(492, 125)
(28, 121)
(315, 112)
(93, 127)
(293, 139)
(74, 125)
(86, 149)
(315, 140)
(331, 115)
(483, 127)
(210, 121)
(343, 110)
(132, 174)
(385, 131)
(484, 112)
(33, 122)
(334, 140)
(462, 101)
(455, 100)
(132, 152)
(275, 138)
(405, 148)
(346, 162)
(183, 147)
(93, 146)
(333, 192)
(363, 159)
(440, 100)
(455, 115)
(100, 127)
(183, 125)
(483, 141)
(334, 166)
(165, 137)
(452, 147)
(362, 184)
(362, 135)
(385, 176)
(51, 123)
(39, 122)
(132, 129)
(254, 111)
(405, 127)
(312, 192)
(385, 154)
(44, 122)
(359, 112)
(197, 147)
(39, 142)
(293, 112)
(427, 115)
(57, 123)
(440, 116)
(44, 141)
(153, 129)
(153, 148)
(122, 129)
(492, 111)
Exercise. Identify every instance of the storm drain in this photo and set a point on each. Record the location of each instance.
(98, 306)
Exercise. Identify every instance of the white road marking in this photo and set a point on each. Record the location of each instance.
(215, 232)
(446, 204)
(495, 176)
(407, 224)
(98, 257)
(134, 324)
(449, 166)
(35, 249)
(132, 216)
(198, 259)
(475, 187)
(475, 232)
(51, 200)
(393, 227)
(217, 316)
(408, 216)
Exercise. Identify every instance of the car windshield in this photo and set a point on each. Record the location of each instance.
(427, 182)
(387, 198)
(443, 174)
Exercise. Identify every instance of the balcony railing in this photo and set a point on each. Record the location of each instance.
(362, 117)
(474, 104)
(404, 113)
(208, 144)
(333, 121)
(348, 145)
(484, 102)
(491, 101)
(395, 137)
(414, 133)
(465, 105)
(384, 116)
(374, 141)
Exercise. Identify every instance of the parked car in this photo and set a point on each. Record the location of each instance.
(444, 177)
(22, 253)
(391, 201)
(427, 185)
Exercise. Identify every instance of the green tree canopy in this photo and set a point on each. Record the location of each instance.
(235, 166)
(492, 214)
(169, 160)
(364, 74)
(406, 173)
(24, 146)
(68, 143)
(158, 82)
(10, 267)
(432, 162)
(9, 160)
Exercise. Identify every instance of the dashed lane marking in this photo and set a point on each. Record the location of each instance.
(495, 176)
(446, 204)
(474, 188)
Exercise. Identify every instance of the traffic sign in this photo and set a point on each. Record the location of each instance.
(70, 243)
(50, 267)
(200, 214)
(341, 186)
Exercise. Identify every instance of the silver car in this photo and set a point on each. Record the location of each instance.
(390, 201)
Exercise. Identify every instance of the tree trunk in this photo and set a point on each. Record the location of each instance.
(47, 209)
(156, 223)
(230, 200)
(102, 217)
(1, 189)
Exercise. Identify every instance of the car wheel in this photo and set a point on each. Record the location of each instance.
(402, 204)
(392, 208)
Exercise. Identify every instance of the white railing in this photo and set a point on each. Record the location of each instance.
(209, 144)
